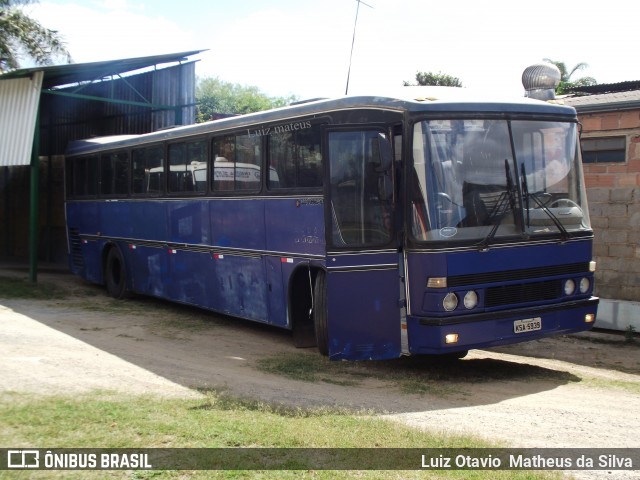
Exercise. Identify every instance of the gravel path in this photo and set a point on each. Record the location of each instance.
(578, 391)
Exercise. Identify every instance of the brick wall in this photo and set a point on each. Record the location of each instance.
(613, 191)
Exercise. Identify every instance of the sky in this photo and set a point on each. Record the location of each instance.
(303, 47)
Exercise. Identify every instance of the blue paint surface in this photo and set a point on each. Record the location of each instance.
(220, 254)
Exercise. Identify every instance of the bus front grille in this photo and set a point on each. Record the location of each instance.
(523, 293)
(519, 274)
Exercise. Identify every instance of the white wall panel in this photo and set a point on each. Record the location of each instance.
(19, 99)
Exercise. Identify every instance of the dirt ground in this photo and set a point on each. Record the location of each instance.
(573, 391)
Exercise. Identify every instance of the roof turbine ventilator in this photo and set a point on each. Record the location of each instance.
(540, 81)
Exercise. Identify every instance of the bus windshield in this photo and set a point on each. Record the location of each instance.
(484, 180)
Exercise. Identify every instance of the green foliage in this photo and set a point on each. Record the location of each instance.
(411, 375)
(109, 420)
(22, 36)
(629, 334)
(566, 84)
(215, 96)
(434, 79)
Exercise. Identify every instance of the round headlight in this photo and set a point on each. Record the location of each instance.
(470, 300)
(569, 287)
(450, 302)
(584, 285)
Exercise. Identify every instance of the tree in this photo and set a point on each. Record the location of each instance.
(22, 36)
(215, 96)
(566, 84)
(434, 79)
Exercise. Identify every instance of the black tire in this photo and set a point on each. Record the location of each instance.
(320, 313)
(115, 274)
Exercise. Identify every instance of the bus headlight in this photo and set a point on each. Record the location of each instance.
(569, 287)
(470, 300)
(584, 285)
(450, 302)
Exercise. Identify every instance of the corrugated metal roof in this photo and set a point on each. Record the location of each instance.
(19, 99)
(608, 87)
(57, 75)
(64, 118)
(605, 102)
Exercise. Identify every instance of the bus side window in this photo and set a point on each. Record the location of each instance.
(177, 168)
(137, 170)
(148, 170)
(295, 159)
(114, 174)
(236, 163)
(248, 162)
(197, 163)
(223, 163)
(188, 167)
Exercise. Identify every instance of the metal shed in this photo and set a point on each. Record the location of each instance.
(44, 108)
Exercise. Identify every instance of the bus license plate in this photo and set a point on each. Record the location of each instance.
(528, 325)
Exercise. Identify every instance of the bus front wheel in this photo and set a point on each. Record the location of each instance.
(115, 274)
(320, 313)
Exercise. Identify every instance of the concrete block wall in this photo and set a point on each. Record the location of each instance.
(613, 191)
(615, 217)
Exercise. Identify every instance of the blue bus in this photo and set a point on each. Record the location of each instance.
(370, 226)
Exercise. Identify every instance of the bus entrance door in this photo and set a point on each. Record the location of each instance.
(362, 279)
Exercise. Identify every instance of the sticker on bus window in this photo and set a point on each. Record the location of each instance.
(448, 232)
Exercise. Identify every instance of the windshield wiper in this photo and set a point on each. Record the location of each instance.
(502, 208)
(564, 235)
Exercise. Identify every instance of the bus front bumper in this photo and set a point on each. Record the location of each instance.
(436, 335)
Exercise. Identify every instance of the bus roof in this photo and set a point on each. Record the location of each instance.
(406, 99)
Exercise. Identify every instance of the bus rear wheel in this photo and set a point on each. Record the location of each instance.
(115, 274)
(320, 313)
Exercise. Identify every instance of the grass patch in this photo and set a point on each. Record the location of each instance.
(222, 401)
(18, 287)
(632, 387)
(411, 375)
(102, 303)
(613, 338)
(181, 318)
(630, 334)
(214, 421)
(314, 368)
